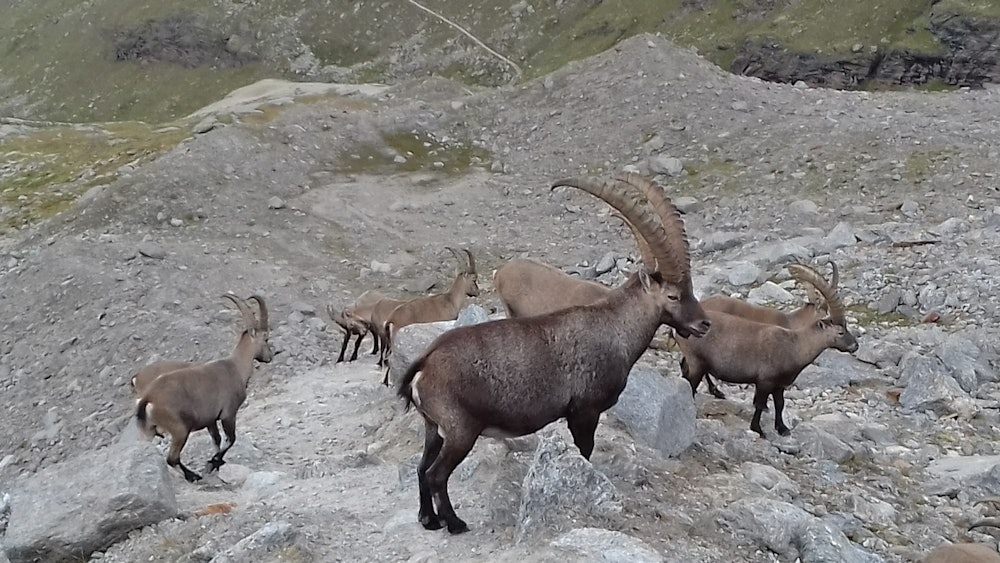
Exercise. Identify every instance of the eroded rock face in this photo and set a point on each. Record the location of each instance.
(69, 510)
(968, 57)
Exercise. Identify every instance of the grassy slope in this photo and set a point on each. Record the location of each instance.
(56, 55)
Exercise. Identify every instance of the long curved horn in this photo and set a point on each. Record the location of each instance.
(835, 276)
(262, 316)
(457, 256)
(994, 522)
(644, 250)
(805, 274)
(621, 196)
(670, 218)
(248, 317)
(472, 261)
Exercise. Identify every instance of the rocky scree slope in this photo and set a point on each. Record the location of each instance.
(286, 206)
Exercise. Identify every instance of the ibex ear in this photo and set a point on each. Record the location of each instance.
(645, 279)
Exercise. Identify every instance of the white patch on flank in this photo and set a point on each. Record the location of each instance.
(413, 388)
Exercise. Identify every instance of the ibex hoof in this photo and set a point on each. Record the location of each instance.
(191, 477)
(431, 522)
(457, 526)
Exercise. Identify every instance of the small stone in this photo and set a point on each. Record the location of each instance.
(740, 106)
(910, 208)
(496, 167)
(857, 48)
(889, 301)
(380, 267)
(664, 164)
(399, 159)
(150, 250)
(175, 222)
(804, 207)
(205, 125)
(743, 273)
(276, 203)
(687, 204)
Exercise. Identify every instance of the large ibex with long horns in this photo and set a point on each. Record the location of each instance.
(512, 377)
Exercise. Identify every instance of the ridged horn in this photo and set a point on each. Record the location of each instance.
(248, 317)
(457, 256)
(805, 274)
(472, 261)
(670, 217)
(644, 250)
(623, 197)
(262, 316)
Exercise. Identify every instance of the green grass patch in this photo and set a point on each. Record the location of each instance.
(412, 152)
(48, 169)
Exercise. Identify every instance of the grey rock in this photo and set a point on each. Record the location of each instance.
(872, 511)
(305, 309)
(606, 263)
(268, 537)
(879, 352)
(952, 227)
(380, 267)
(820, 542)
(963, 359)
(931, 297)
(771, 523)
(929, 387)
(820, 444)
(664, 164)
(841, 236)
(687, 204)
(71, 509)
(471, 315)
(410, 344)
(175, 222)
(910, 208)
(276, 203)
(769, 293)
(561, 487)
(835, 370)
(975, 475)
(594, 545)
(782, 252)
(804, 207)
(263, 484)
(743, 273)
(721, 240)
(769, 479)
(205, 125)
(151, 250)
(889, 301)
(657, 410)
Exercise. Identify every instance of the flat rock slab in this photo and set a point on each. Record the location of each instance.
(69, 510)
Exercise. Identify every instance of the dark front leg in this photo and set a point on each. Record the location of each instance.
(375, 341)
(583, 427)
(712, 388)
(343, 345)
(357, 344)
(759, 404)
(174, 457)
(229, 427)
(779, 409)
(432, 447)
(457, 445)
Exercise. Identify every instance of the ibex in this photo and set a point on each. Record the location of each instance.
(199, 396)
(512, 377)
(528, 287)
(739, 350)
(434, 308)
(814, 310)
(356, 320)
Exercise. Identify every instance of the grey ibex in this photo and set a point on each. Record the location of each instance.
(201, 395)
(512, 377)
(739, 350)
(433, 308)
(815, 309)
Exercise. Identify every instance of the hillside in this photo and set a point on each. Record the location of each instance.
(315, 201)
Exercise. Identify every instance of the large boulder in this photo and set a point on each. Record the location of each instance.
(69, 510)
(562, 488)
(657, 410)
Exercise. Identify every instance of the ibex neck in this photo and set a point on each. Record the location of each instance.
(456, 293)
(243, 356)
(633, 320)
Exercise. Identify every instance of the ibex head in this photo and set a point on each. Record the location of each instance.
(835, 324)
(663, 244)
(466, 275)
(255, 326)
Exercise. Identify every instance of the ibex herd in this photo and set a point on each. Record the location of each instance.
(564, 351)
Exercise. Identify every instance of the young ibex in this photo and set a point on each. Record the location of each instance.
(434, 308)
(739, 350)
(356, 320)
(199, 396)
(512, 377)
(815, 309)
(528, 287)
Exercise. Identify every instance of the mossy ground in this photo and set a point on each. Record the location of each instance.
(419, 152)
(47, 169)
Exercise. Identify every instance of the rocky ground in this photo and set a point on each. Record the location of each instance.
(313, 202)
